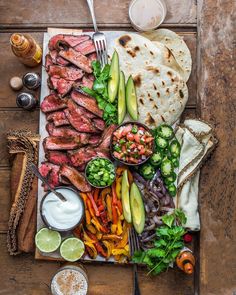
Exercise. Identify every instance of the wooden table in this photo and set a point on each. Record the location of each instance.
(207, 27)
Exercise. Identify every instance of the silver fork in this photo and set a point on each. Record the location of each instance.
(98, 38)
(134, 246)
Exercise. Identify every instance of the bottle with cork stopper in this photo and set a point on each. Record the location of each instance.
(186, 261)
(26, 49)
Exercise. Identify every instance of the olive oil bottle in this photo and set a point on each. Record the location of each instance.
(26, 49)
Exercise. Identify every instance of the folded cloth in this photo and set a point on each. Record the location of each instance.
(197, 142)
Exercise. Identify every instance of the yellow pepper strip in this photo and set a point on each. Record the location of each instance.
(118, 187)
(117, 257)
(109, 206)
(104, 192)
(119, 230)
(87, 217)
(120, 252)
(130, 177)
(112, 237)
(99, 235)
(120, 170)
(91, 228)
(97, 224)
(109, 247)
(84, 197)
(86, 238)
(127, 248)
(124, 241)
(91, 250)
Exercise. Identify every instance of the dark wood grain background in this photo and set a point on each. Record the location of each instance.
(207, 27)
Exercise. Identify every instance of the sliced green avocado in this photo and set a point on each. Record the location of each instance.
(137, 208)
(131, 99)
(121, 99)
(125, 197)
(114, 73)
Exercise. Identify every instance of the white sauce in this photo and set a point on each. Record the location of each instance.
(147, 14)
(62, 215)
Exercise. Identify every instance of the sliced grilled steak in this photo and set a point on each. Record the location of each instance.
(87, 102)
(94, 139)
(103, 152)
(64, 86)
(92, 56)
(99, 123)
(106, 136)
(78, 120)
(52, 103)
(86, 47)
(58, 118)
(57, 158)
(52, 82)
(69, 40)
(51, 172)
(62, 62)
(68, 73)
(48, 62)
(82, 156)
(61, 143)
(75, 177)
(77, 59)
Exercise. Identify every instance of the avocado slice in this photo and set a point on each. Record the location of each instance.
(114, 73)
(131, 99)
(125, 197)
(137, 208)
(121, 99)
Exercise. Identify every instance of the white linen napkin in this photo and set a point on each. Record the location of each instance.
(197, 140)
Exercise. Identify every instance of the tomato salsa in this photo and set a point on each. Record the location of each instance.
(132, 143)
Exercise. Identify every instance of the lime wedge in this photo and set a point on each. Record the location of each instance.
(72, 249)
(47, 240)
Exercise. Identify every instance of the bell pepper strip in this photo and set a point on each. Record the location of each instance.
(100, 249)
(117, 258)
(93, 204)
(123, 242)
(120, 252)
(98, 225)
(127, 248)
(119, 228)
(77, 231)
(103, 216)
(105, 192)
(99, 235)
(84, 197)
(114, 214)
(113, 228)
(101, 208)
(87, 238)
(112, 237)
(119, 207)
(96, 194)
(118, 187)
(109, 207)
(92, 236)
(91, 250)
(91, 228)
(87, 217)
(90, 208)
(120, 170)
(114, 196)
(109, 247)
(130, 177)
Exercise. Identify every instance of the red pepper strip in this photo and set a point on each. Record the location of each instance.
(100, 249)
(92, 236)
(114, 196)
(114, 214)
(90, 208)
(101, 208)
(96, 194)
(93, 204)
(119, 205)
(103, 216)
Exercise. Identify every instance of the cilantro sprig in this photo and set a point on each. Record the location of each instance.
(100, 92)
(168, 243)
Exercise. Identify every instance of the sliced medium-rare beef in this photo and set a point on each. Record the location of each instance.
(61, 143)
(99, 123)
(48, 62)
(87, 102)
(92, 56)
(51, 172)
(68, 73)
(52, 103)
(86, 47)
(68, 40)
(94, 139)
(62, 86)
(78, 120)
(57, 157)
(81, 156)
(58, 118)
(62, 62)
(54, 56)
(106, 136)
(75, 177)
(77, 59)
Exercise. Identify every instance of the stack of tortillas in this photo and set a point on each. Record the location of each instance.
(160, 69)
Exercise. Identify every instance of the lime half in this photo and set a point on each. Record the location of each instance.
(72, 249)
(47, 240)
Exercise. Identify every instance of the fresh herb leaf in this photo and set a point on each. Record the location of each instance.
(138, 256)
(179, 214)
(96, 66)
(168, 219)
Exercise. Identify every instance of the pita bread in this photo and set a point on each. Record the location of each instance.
(161, 93)
(176, 44)
(136, 52)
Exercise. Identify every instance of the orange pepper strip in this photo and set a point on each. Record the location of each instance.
(119, 206)
(114, 196)
(84, 197)
(93, 204)
(114, 214)
(118, 187)
(96, 194)
(109, 207)
(90, 208)
(87, 217)
(120, 170)
(130, 177)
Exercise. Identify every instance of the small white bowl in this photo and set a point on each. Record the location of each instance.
(154, 17)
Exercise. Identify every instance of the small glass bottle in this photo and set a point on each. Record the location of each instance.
(26, 49)
(186, 261)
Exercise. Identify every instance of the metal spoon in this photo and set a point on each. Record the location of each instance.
(44, 180)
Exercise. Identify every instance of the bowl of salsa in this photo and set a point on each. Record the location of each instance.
(132, 143)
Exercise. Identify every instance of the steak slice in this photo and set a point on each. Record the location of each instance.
(77, 59)
(52, 103)
(62, 62)
(62, 86)
(48, 61)
(81, 156)
(61, 143)
(75, 177)
(99, 123)
(87, 102)
(69, 40)
(92, 56)
(94, 139)
(78, 120)
(106, 136)
(58, 118)
(86, 47)
(51, 172)
(68, 73)
(57, 157)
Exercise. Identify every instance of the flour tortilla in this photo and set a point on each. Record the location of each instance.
(161, 93)
(136, 52)
(176, 44)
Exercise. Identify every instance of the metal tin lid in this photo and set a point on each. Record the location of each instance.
(147, 15)
(31, 80)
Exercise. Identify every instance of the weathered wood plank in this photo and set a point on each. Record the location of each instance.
(10, 66)
(5, 198)
(216, 92)
(15, 119)
(24, 276)
(75, 13)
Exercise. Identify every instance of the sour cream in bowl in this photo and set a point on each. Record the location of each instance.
(59, 215)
